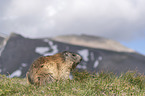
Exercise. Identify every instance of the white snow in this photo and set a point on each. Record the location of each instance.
(41, 50)
(96, 64)
(24, 65)
(45, 50)
(71, 76)
(81, 67)
(84, 53)
(0, 70)
(52, 46)
(100, 58)
(16, 73)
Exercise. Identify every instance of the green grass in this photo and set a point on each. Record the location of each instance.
(83, 84)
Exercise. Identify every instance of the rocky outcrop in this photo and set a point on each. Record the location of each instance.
(3, 40)
(2, 37)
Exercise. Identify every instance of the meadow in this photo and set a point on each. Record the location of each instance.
(83, 84)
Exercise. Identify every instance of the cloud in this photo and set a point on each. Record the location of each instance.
(116, 19)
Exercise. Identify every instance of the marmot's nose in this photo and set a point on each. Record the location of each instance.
(73, 54)
(81, 59)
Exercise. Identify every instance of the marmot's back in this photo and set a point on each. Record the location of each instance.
(50, 68)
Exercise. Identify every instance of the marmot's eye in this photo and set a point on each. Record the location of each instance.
(42, 66)
(73, 55)
(66, 53)
(39, 78)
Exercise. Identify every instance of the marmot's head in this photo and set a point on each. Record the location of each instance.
(73, 58)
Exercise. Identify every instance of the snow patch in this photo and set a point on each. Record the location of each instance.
(96, 64)
(85, 54)
(24, 65)
(52, 46)
(100, 58)
(71, 76)
(16, 73)
(0, 70)
(41, 50)
(81, 67)
(45, 51)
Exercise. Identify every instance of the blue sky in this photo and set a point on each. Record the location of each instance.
(138, 45)
(121, 20)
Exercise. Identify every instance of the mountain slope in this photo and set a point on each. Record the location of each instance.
(20, 52)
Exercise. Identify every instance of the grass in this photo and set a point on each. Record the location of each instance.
(83, 84)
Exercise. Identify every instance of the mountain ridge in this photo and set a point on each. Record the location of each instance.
(93, 42)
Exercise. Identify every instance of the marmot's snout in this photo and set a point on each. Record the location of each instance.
(73, 57)
(79, 58)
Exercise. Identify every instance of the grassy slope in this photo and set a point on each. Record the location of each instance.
(83, 84)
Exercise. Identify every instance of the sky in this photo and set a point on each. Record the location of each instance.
(120, 20)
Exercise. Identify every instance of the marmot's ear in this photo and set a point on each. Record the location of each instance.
(65, 53)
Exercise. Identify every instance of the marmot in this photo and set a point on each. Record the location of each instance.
(47, 69)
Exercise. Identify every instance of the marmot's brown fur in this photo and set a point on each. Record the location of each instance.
(47, 69)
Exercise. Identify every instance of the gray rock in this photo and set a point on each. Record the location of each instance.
(20, 52)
